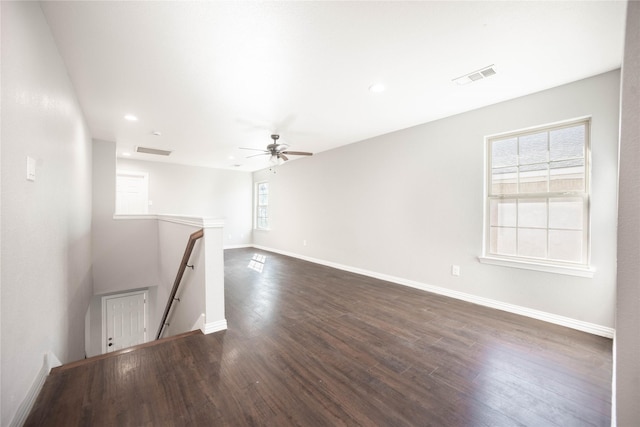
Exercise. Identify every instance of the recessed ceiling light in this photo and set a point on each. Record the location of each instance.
(231, 157)
(126, 153)
(156, 133)
(376, 88)
(131, 118)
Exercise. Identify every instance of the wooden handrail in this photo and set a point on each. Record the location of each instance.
(183, 265)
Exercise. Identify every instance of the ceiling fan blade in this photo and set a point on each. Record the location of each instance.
(298, 153)
(253, 149)
(283, 157)
(255, 155)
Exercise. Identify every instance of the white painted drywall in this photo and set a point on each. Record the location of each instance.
(201, 290)
(203, 192)
(627, 341)
(173, 240)
(46, 224)
(125, 251)
(214, 277)
(409, 204)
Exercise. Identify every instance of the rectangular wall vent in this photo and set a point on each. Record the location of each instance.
(476, 75)
(155, 151)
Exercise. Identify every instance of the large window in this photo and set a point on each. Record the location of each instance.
(538, 195)
(262, 205)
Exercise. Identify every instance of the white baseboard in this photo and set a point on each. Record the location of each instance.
(50, 362)
(211, 327)
(591, 328)
(244, 245)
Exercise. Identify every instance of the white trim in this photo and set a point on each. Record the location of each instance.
(194, 221)
(244, 245)
(568, 322)
(217, 326)
(119, 217)
(548, 268)
(50, 362)
(548, 126)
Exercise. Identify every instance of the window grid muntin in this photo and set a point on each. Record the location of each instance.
(262, 205)
(548, 195)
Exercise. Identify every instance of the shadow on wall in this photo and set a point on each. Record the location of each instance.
(79, 292)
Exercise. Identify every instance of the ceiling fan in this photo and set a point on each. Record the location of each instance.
(278, 151)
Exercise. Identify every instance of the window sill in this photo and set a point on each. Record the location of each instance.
(548, 268)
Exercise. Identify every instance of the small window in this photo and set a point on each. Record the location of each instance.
(262, 205)
(132, 193)
(538, 195)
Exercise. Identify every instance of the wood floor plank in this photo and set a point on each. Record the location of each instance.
(308, 345)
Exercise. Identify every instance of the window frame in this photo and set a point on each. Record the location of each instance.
(583, 267)
(258, 206)
(144, 176)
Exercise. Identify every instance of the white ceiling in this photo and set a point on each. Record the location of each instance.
(216, 76)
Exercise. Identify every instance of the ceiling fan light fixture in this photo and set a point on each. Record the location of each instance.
(275, 160)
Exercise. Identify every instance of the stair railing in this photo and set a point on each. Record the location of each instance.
(183, 265)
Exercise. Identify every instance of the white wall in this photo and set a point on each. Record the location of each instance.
(627, 342)
(125, 252)
(201, 290)
(46, 224)
(203, 192)
(173, 240)
(409, 204)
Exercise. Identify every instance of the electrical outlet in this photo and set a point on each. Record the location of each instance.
(304, 243)
(455, 270)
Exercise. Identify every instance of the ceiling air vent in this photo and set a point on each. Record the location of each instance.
(155, 151)
(476, 75)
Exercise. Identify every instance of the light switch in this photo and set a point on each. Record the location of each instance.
(31, 169)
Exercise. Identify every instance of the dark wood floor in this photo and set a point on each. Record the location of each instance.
(312, 346)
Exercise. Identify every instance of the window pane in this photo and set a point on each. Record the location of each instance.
(504, 153)
(532, 242)
(503, 213)
(534, 178)
(565, 245)
(131, 193)
(567, 175)
(262, 220)
(532, 213)
(567, 143)
(504, 180)
(503, 241)
(566, 213)
(533, 149)
(537, 194)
